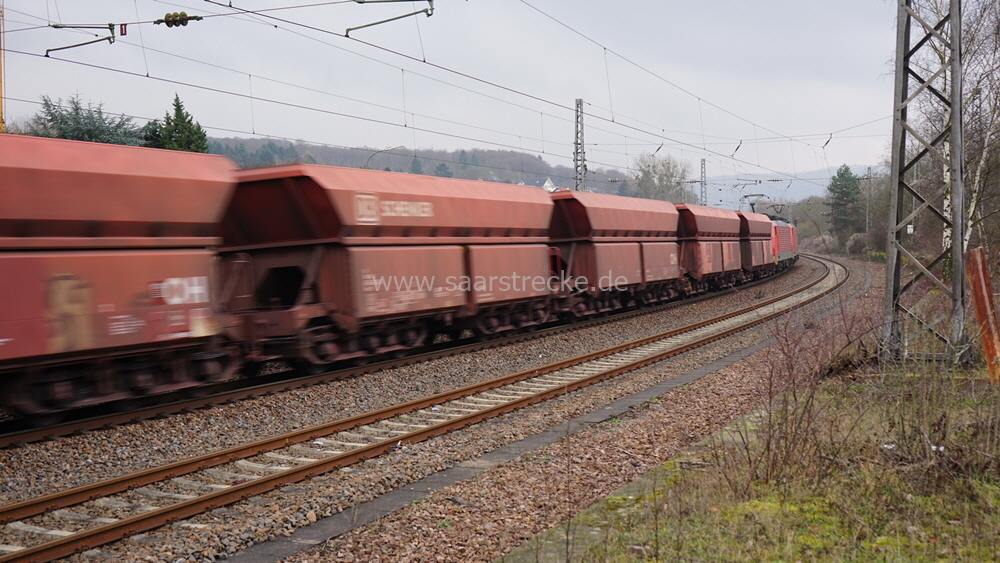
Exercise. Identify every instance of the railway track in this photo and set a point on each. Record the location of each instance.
(110, 510)
(17, 432)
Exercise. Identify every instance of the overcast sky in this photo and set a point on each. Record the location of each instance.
(776, 89)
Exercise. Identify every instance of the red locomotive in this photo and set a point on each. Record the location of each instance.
(128, 271)
(784, 242)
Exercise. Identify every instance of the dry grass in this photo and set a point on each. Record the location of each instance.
(840, 463)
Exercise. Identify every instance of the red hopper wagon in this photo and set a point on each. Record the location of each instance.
(612, 249)
(106, 255)
(325, 263)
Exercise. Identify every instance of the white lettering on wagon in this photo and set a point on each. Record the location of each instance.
(181, 291)
(119, 325)
(406, 209)
(368, 210)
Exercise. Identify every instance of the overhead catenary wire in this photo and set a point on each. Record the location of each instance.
(243, 11)
(607, 76)
(364, 150)
(360, 101)
(699, 99)
(380, 121)
(199, 61)
(142, 43)
(598, 117)
(648, 71)
(496, 85)
(280, 102)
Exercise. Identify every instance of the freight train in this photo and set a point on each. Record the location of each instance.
(127, 271)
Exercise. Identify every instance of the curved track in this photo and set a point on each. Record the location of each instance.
(253, 469)
(14, 433)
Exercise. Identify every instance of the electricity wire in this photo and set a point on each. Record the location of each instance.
(243, 11)
(344, 147)
(465, 75)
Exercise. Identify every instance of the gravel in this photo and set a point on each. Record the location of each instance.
(39, 468)
(508, 505)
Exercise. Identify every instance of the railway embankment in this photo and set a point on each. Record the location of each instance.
(529, 503)
(224, 531)
(843, 462)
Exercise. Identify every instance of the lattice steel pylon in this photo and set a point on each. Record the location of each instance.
(579, 156)
(704, 184)
(917, 293)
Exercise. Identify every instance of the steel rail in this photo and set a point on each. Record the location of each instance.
(14, 439)
(93, 537)
(85, 493)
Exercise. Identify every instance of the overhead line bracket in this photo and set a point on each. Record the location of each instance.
(110, 39)
(429, 10)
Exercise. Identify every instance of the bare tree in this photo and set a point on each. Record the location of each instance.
(982, 114)
(660, 178)
(981, 118)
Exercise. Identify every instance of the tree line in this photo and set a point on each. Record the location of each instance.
(859, 207)
(77, 121)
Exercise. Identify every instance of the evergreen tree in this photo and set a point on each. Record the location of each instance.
(416, 167)
(82, 123)
(178, 132)
(624, 189)
(268, 154)
(152, 134)
(847, 210)
(443, 171)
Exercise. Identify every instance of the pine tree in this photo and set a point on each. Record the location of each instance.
(443, 171)
(846, 205)
(416, 167)
(178, 132)
(624, 189)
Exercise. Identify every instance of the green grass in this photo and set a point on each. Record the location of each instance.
(866, 517)
(899, 467)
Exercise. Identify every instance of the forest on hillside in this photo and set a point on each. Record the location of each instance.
(506, 166)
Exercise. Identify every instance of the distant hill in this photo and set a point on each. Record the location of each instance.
(507, 166)
(781, 187)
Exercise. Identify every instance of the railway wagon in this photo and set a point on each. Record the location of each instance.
(784, 244)
(610, 249)
(710, 246)
(324, 263)
(755, 244)
(105, 271)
